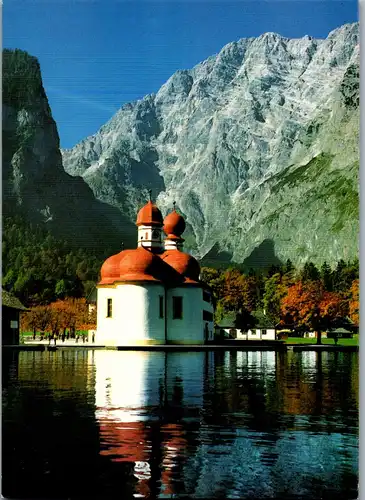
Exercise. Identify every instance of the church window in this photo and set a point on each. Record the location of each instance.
(161, 306)
(109, 308)
(177, 307)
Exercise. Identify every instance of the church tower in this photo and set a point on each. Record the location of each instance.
(149, 223)
(174, 226)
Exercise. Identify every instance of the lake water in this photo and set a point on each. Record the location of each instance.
(134, 424)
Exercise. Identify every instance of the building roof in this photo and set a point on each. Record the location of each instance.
(173, 225)
(184, 264)
(340, 330)
(172, 267)
(138, 265)
(228, 321)
(149, 215)
(9, 300)
(110, 270)
(260, 320)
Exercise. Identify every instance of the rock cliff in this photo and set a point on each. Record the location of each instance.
(35, 184)
(258, 145)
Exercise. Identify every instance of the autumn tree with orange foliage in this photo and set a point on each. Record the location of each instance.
(69, 314)
(310, 306)
(233, 299)
(354, 304)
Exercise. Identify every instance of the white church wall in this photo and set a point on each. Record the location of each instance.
(208, 306)
(190, 328)
(135, 319)
(106, 328)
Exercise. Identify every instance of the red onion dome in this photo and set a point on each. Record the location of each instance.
(149, 215)
(140, 265)
(110, 269)
(184, 264)
(174, 224)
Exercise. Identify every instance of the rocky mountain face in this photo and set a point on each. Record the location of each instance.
(35, 184)
(258, 145)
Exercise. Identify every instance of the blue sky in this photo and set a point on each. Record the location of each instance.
(97, 55)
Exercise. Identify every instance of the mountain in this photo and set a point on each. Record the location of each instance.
(258, 145)
(35, 185)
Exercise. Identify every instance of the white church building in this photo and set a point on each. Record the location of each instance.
(153, 295)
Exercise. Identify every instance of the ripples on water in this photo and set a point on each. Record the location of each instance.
(114, 424)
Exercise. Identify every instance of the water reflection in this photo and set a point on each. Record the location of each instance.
(202, 424)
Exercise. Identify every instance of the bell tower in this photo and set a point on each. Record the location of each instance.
(149, 223)
(174, 226)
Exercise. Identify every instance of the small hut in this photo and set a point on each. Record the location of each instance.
(11, 308)
(340, 333)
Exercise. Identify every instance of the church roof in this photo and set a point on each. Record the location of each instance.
(174, 225)
(149, 215)
(172, 267)
(184, 264)
(138, 265)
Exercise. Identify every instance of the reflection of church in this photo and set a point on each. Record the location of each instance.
(141, 400)
(153, 294)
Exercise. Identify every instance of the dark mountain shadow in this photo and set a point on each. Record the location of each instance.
(216, 258)
(262, 257)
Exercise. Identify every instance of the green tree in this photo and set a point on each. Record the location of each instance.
(326, 277)
(274, 292)
(288, 268)
(309, 273)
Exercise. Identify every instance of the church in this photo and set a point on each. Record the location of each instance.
(153, 295)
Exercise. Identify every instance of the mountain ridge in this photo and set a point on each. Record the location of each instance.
(228, 125)
(35, 184)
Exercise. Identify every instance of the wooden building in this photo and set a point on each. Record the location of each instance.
(11, 308)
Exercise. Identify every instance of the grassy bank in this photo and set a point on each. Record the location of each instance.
(295, 340)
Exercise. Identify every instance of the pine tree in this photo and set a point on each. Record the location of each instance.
(326, 277)
(309, 272)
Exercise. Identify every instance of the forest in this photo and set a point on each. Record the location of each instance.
(307, 298)
(39, 269)
(47, 274)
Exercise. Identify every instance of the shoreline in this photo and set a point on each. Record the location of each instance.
(282, 347)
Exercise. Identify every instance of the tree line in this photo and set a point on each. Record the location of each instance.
(40, 269)
(307, 298)
(63, 318)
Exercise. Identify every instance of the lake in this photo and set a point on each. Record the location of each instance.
(216, 424)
